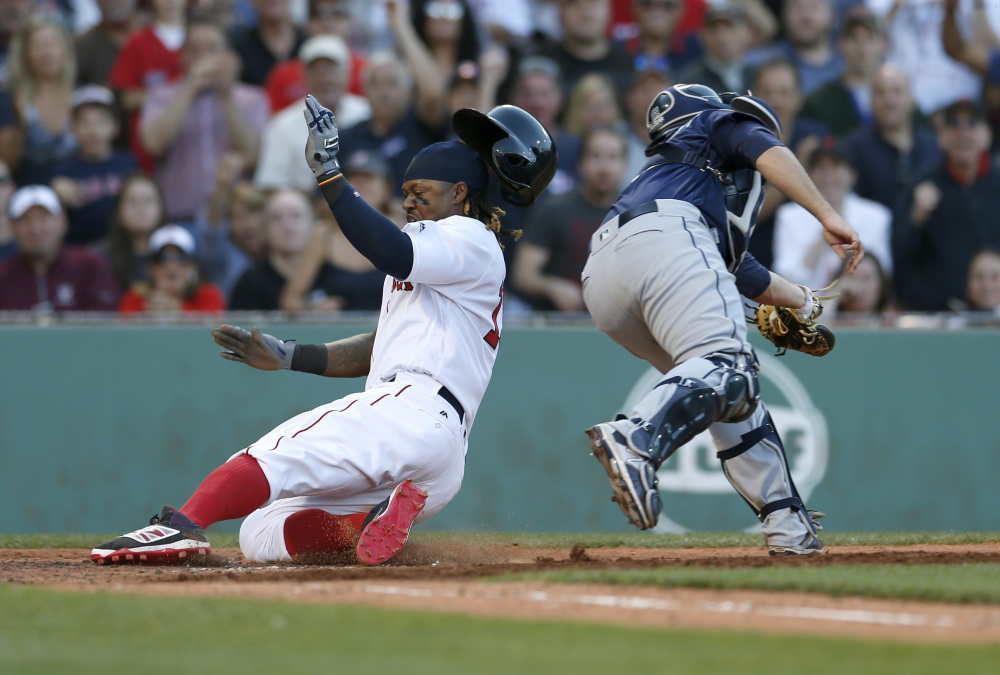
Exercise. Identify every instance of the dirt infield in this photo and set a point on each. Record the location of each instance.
(450, 578)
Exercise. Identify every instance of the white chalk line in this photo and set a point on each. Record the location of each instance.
(638, 602)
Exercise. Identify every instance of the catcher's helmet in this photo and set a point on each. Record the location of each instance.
(515, 144)
(674, 107)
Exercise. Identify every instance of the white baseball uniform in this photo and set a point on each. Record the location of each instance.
(438, 328)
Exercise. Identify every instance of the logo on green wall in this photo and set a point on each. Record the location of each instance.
(694, 469)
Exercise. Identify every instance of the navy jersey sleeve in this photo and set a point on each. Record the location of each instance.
(752, 278)
(739, 138)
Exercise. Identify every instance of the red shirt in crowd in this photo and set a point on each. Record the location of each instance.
(208, 298)
(79, 280)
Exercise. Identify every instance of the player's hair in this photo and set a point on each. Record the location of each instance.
(478, 206)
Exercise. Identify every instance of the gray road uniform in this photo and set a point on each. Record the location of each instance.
(664, 279)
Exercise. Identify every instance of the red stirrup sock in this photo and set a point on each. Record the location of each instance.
(234, 490)
(316, 531)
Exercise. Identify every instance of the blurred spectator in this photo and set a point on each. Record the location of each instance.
(947, 217)
(13, 14)
(273, 40)
(187, 125)
(982, 288)
(286, 83)
(97, 49)
(34, 117)
(507, 22)
(537, 89)
(8, 246)
(808, 42)
(433, 38)
(554, 249)
(351, 282)
(777, 83)
(288, 227)
(89, 182)
(845, 103)
(140, 210)
(893, 151)
(47, 275)
(173, 284)
(232, 238)
(915, 45)
(867, 291)
(281, 162)
(150, 58)
(474, 85)
(396, 129)
(657, 44)
(593, 103)
(984, 58)
(801, 254)
(584, 46)
(644, 88)
(726, 38)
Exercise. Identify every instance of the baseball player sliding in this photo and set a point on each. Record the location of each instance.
(309, 486)
(664, 279)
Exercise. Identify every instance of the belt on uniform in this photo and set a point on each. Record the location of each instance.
(450, 397)
(635, 212)
(446, 394)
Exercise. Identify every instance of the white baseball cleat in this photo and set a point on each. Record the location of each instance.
(633, 478)
(385, 534)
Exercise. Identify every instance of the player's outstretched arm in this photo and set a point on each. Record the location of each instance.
(350, 357)
(781, 168)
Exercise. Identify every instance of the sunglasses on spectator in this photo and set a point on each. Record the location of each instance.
(335, 12)
(963, 122)
(452, 11)
(659, 4)
(171, 256)
(5, 179)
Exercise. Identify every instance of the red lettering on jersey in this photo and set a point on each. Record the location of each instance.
(493, 337)
(401, 285)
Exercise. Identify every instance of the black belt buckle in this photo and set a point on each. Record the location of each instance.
(635, 212)
(450, 397)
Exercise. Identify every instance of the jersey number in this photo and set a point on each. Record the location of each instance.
(493, 337)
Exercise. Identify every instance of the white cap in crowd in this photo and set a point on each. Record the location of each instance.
(171, 235)
(33, 195)
(325, 47)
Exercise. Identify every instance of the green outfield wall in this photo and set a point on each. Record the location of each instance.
(100, 426)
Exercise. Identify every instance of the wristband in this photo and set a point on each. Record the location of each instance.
(332, 185)
(805, 311)
(310, 359)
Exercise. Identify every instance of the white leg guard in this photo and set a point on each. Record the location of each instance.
(754, 461)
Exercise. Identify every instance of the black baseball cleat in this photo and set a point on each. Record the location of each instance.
(171, 538)
(387, 527)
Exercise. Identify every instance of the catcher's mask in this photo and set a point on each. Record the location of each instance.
(515, 144)
(674, 107)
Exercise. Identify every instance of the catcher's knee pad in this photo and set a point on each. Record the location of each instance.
(728, 393)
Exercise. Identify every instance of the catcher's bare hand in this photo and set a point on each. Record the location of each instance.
(843, 239)
(254, 348)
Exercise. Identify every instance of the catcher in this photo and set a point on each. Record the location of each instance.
(664, 279)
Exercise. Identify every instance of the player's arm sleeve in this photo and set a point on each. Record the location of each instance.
(752, 278)
(375, 237)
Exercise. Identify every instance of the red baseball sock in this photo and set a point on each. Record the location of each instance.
(316, 531)
(234, 490)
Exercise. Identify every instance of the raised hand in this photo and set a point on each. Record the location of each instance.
(323, 143)
(256, 349)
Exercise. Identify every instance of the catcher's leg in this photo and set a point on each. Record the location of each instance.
(754, 461)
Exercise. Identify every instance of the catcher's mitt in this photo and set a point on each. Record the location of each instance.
(788, 330)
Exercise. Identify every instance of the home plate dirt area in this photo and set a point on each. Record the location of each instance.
(450, 578)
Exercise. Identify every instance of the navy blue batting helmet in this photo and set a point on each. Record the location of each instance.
(674, 107)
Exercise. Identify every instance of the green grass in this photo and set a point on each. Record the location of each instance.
(967, 583)
(564, 540)
(51, 632)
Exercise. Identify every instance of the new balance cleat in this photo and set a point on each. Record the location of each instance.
(171, 538)
(810, 545)
(633, 478)
(384, 533)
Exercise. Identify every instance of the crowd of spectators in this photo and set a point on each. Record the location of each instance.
(151, 151)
